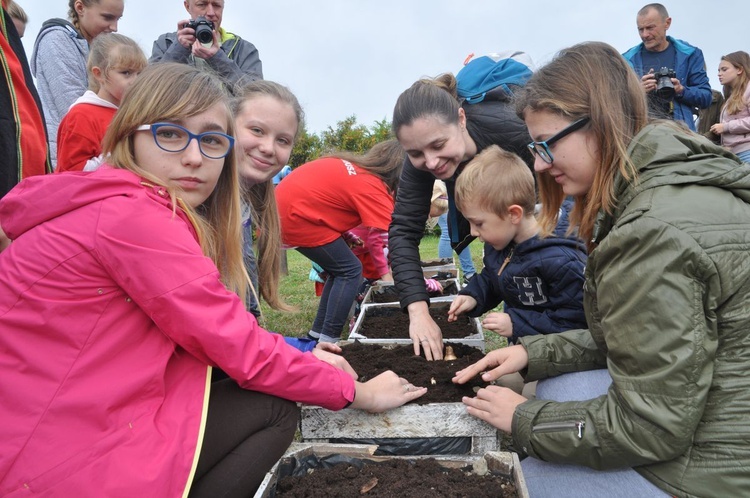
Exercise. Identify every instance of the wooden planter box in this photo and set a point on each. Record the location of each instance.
(475, 339)
(375, 294)
(431, 422)
(434, 420)
(503, 463)
(439, 268)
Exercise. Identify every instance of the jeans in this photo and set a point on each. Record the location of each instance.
(445, 250)
(340, 290)
(744, 156)
(558, 480)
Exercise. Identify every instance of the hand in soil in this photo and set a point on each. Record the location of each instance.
(331, 354)
(424, 332)
(495, 364)
(460, 305)
(384, 392)
(495, 405)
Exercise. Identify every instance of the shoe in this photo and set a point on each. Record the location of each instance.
(467, 278)
(315, 336)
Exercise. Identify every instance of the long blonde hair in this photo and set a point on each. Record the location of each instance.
(589, 80)
(170, 92)
(262, 197)
(735, 94)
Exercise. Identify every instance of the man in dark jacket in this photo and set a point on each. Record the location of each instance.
(229, 55)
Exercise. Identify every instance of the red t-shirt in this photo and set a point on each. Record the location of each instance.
(322, 199)
(80, 134)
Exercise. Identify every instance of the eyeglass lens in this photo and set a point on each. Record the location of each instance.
(174, 138)
(543, 148)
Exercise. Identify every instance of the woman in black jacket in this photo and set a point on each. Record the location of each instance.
(440, 135)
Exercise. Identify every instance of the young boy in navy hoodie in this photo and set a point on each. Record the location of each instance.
(538, 277)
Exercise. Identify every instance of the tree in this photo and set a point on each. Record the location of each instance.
(306, 148)
(348, 135)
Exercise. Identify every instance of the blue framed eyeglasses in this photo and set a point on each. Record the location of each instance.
(542, 149)
(175, 138)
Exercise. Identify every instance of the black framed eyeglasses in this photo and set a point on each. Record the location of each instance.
(542, 149)
(175, 138)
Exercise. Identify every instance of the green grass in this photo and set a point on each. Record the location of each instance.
(298, 291)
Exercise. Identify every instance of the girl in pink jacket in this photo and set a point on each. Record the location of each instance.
(734, 128)
(108, 341)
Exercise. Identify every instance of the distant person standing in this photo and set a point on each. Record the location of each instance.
(60, 53)
(226, 53)
(23, 142)
(444, 244)
(734, 126)
(672, 72)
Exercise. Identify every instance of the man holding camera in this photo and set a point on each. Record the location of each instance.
(200, 41)
(673, 72)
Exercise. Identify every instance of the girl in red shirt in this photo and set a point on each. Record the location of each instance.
(113, 64)
(321, 200)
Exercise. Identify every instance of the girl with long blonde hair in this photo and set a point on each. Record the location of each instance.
(642, 399)
(734, 127)
(109, 341)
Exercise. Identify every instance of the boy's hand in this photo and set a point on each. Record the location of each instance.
(461, 304)
(498, 322)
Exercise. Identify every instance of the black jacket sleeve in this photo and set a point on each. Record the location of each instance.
(405, 233)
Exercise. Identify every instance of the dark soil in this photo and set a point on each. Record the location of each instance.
(381, 322)
(395, 478)
(436, 262)
(369, 360)
(440, 274)
(388, 294)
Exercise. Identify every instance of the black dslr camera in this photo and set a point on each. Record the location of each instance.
(204, 29)
(664, 86)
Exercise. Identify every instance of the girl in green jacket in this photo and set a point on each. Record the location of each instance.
(658, 382)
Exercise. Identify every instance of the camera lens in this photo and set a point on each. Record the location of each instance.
(204, 33)
(665, 88)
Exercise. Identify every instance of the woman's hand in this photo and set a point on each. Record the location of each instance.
(424, 332)
(498, 322)
(502, 361)
(495, 405)
(331, 354)
(461, 304)
(384, 392)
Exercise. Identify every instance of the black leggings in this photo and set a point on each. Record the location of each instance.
(246, 433)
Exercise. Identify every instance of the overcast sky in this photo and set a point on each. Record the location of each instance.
(354, 57)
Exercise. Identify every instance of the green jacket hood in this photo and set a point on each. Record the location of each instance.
(665, 153)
